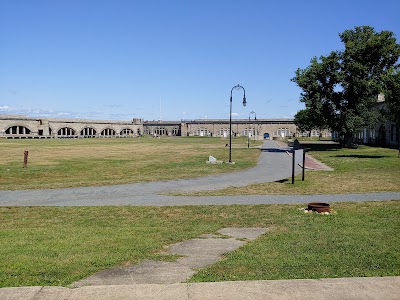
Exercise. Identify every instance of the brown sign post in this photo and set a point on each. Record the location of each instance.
(26, 158)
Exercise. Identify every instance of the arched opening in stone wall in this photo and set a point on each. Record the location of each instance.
(282, 132)
(202, 132)
(176, 131)
(66, 131)
(108, 132)
(249, 132)
(17, 129)
(224, 132)
(126, 132)
(160, 131)
(88, 131)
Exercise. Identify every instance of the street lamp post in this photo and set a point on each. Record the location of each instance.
(230, 117)
(248, 131)
(255, 132)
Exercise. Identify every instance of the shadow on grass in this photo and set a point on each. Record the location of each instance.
(361, 156)
(282, 180)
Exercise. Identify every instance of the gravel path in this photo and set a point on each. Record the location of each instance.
(274, 164)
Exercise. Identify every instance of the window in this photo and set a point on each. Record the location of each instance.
(108, 132)
(88, 131)
(282, 132)
(202, 132)
(18, 130)
(160, 131)
(66, 131)
(126, 132)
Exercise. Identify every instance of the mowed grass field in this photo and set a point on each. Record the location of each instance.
(60, 245)
(58, 163)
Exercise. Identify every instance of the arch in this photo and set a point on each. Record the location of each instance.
(282, 132)
(108, 132)
(147, 131)
(161, 131)
(88, 131)
(176, 131)
(17, 129)
(224, 132)
(202, 132)
(126, 132)
(66, 131)
(249, 132)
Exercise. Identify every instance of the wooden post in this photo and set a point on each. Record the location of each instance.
(26, 158)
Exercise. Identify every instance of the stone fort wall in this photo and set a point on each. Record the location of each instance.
(12, 126)
(26, 127)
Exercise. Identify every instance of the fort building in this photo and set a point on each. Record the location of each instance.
(14, 126)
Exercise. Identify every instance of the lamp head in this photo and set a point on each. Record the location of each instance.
(244, 101)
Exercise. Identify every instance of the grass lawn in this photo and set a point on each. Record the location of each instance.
(362, 170)
(60, 163)
(57, 163)
(60, 245)
(57, 246)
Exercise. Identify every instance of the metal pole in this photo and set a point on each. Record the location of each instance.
(248, 134)
(255, 128)
(230, 118)
(230, 130)
(293, 164)
(304, 164)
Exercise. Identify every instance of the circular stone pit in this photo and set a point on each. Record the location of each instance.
(319, 207)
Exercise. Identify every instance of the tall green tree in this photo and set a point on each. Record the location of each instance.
(341, 89)
(392, 98)
(303, 120)
(306, 121)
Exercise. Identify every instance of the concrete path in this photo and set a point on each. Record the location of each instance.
(274, 164)
(195, 254)
(368, 288)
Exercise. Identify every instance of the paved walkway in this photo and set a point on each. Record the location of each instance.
(368, 288)
(194, 254)
(274, 164)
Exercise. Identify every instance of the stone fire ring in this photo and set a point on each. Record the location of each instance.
(319, 207)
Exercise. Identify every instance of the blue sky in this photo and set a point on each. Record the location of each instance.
(121, 59)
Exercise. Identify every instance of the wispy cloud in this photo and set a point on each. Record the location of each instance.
(101, 114)
(113, 105)
(6, 108)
